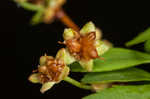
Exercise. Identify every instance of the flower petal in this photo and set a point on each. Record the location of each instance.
(68, 34)
(46, 86)
(34, 78)
(101, 47)
(89, 27)
(98, 34)
(88, 65)
(64, 73)
(64, 55)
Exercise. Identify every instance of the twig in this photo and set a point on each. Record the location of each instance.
(77, 84)
(29, 6)
(60, 14)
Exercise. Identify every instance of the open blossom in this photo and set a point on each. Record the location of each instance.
(85, 45)
(49, 72)
(81, 45)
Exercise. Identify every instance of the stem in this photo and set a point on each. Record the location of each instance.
(30, 6)
(60, 14)
(77, 84)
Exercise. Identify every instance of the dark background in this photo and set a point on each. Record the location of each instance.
(24, 44)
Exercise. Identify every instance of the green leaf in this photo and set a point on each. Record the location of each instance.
(147, 46)
(123, 92)
(115, 59)
(125, 75)
(140, 38)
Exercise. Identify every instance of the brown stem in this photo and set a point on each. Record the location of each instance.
(65, 19)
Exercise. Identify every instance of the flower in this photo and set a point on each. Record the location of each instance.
(49, 72)
(45, 9)
(85, 45)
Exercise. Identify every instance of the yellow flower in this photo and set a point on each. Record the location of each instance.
(85, 45)
(49, 72)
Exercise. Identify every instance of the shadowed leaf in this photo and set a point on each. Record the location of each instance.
(147, 46)
(140, 38)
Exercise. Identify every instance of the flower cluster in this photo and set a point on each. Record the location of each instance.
(83, 47)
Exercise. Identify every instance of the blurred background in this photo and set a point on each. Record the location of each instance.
(119, 21)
